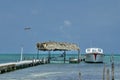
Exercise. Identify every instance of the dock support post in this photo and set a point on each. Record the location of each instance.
(38, 54)
(64, 53)
(78, 56)
(49, 56)
(112, 67)
(112, 70)
(21, 58)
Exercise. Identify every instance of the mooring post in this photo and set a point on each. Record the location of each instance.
(49, 56)
(64, 53)
(108, 76)
(112, 67)
(104, 71)
(79, 56)
(38, 54)
(21, 58)
(80, 76)
(112, 70)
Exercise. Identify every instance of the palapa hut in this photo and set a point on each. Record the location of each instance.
(57, 46)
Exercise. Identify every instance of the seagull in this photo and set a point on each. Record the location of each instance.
(27, 28)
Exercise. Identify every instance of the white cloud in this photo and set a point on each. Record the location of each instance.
(65, 26)
(65, 29)
(67, 23)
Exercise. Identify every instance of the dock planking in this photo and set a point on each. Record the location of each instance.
(7, 67)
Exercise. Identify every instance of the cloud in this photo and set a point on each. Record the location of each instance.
(67, 23)
(65, 26)
(65, 29)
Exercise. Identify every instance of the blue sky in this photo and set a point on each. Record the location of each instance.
(89, 23)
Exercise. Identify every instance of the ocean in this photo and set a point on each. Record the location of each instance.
(59, 70)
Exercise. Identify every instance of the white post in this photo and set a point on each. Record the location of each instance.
(21, 54)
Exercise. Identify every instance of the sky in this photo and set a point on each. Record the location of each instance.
(88, 23)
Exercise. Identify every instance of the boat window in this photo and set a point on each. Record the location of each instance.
(88, 50)
(93, 50)
(99, 50)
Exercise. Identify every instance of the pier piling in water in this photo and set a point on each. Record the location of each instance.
(112, 70)
(64, 53)
(80, 76)
(112, 67)
(104, 71)
(108, 75)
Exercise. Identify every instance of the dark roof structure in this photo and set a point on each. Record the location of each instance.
(56, 46)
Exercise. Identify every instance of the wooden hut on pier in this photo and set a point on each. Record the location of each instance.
(57, 46)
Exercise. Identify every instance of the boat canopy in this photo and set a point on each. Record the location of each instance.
(56, 46)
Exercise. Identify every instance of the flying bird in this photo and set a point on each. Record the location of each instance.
(27, 28)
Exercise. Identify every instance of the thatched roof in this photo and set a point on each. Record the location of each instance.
(57, 46)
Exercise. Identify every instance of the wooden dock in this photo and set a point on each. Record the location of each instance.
(7, 67)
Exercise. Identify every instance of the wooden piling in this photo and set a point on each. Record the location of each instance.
(80, 76)
(79, 56)
(38, 54)
(108, 75)
(112, 67)
(104, 71)
(113, 71)
(64, 53)
(49, 56)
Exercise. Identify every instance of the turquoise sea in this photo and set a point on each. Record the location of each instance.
(59, 70)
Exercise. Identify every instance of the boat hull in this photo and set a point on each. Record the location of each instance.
(94, 58)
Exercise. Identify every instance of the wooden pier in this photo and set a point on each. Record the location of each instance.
(7, 67)
(45, 46)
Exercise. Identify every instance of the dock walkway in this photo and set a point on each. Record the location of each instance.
(11, 66)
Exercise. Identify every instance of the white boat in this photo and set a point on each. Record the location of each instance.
(94, 55)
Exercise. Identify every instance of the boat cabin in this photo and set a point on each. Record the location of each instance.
(94, 50)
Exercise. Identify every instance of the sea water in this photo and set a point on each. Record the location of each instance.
(59, 71)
